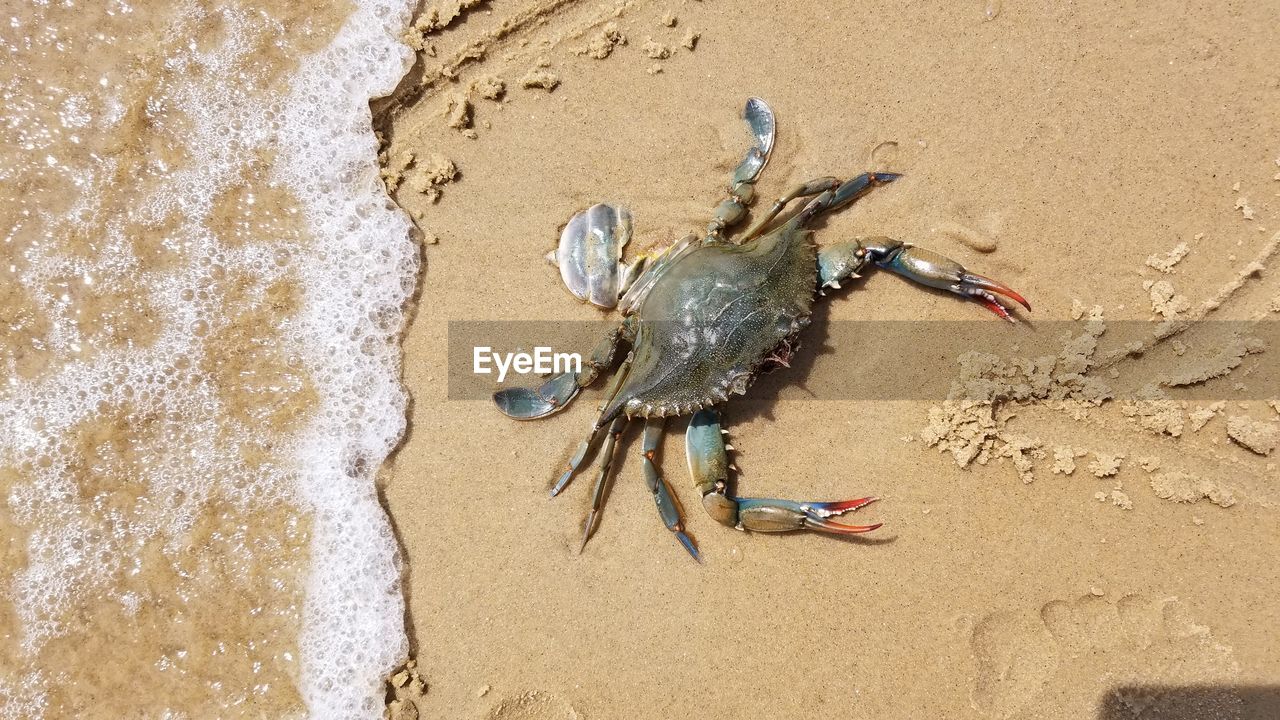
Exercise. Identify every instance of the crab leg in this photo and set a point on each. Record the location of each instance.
(760, 122)
(606, 461)
(938, 271)
(845, 193)
(555, 394)
(841, 194)
(709, 465)
(585, 446)
(808, 189)
(668, 508)
(842, 260)
(575, 462)
(839, 261)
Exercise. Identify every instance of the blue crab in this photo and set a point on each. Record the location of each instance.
(707, 316)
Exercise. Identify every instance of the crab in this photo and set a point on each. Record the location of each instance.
(707, 316)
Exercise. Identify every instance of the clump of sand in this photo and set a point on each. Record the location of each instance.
(1118, 498)
(1023, 451)
(457, 112)
(1105, 464)
(1154, 411)
(1228, 358)
(1064, 459)
(407, 688)
(1246, 210)
(655, 50)
(601, 46)
(1202, 415)
(1187, 488)
(441, 15)
(489, 87)
(1165, 262)
(1260, 436)
(1165, 300)
(426, 175)
(970, 423)
(540, 77)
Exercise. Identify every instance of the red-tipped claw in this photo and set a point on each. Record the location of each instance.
(981, 288)
(831, 509)
(839, 528)
(771, 515)
(929, 268)
(826, 509)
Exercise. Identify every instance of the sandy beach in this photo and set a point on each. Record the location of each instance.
(1056, 150)
(248, 471)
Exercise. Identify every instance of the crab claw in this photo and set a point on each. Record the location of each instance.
(981, 288)
(930, 268)
(524, 403)
(771, 515)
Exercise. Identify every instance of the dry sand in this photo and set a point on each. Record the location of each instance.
(1117, 155)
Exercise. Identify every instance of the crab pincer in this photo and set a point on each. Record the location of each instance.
(773, 515)
(939, 271)
(709, 465)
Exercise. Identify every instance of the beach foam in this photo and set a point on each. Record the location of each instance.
(353, 631)
(200, 372)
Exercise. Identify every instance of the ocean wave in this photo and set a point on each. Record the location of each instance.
(205, 287)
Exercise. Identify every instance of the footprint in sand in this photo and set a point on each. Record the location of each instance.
(1071, 657)
(533, 705)
(1015, 657)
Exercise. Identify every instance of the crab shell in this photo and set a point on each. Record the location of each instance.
(590, 253)
(711, 318)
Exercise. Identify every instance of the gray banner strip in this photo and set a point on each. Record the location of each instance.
(918, 360)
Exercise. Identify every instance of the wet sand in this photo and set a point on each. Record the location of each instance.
(1056, 150)
(191, 412)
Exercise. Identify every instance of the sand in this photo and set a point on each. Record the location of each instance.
(198, 368)
(1098, 155)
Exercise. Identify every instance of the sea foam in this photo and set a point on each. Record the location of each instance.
(357, 288)
(121, 446)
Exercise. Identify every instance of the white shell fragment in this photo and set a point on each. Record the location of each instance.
(590, 253)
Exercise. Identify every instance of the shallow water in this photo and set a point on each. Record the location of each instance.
(203, 281)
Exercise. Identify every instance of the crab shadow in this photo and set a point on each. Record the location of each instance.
(775, 387)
